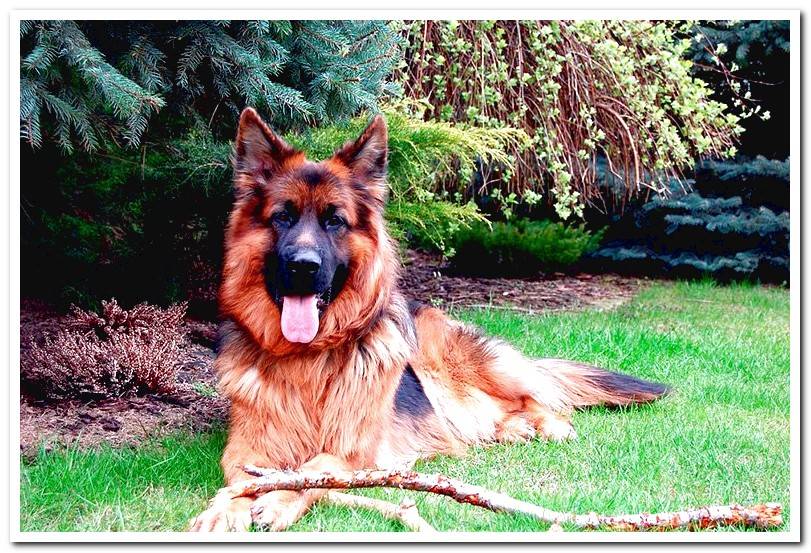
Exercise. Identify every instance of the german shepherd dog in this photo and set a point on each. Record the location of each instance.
(326, 364)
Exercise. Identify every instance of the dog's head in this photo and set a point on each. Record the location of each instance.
(306, 248)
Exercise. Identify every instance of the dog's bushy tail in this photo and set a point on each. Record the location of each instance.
(580, 385)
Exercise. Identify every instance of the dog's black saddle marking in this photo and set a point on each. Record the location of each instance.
(410, 398)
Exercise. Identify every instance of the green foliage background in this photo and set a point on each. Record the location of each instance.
(584, 90)
(156, 220)
(127, 126)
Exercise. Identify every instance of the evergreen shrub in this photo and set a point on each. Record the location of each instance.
(731, 224)
(520, 248)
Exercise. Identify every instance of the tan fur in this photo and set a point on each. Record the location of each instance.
(331, 403)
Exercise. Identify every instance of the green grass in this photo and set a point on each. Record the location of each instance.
(721, 437)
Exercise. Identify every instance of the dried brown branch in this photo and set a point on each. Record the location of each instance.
(406, 512)
(760, 516)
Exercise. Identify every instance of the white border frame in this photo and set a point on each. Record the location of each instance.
(793, 535)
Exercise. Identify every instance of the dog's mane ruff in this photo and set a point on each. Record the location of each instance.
(325, 395)
(370, 340)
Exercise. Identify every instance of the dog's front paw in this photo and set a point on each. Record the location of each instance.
(224, 515)
(277, 511)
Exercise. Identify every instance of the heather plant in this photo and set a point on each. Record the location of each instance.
(108, 354)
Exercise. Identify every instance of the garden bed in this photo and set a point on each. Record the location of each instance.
(425, 279)
(196, 406)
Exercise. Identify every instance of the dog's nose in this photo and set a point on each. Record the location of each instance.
(304, 264)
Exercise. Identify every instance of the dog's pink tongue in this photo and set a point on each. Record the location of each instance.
(300, 318)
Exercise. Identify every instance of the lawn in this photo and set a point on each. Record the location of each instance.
(721, 437)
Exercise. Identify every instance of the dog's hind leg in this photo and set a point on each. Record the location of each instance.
(484, 389)
(534, 420)
(550, 389)
(529, 399)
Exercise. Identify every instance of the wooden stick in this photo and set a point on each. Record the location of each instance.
(760, 516)
(406, 512)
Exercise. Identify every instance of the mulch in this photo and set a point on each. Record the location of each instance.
(196, 406)
(426, 278)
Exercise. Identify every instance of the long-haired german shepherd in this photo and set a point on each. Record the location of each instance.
(327, 365)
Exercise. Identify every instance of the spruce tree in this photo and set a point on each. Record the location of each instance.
(733, 223)
(92, 83)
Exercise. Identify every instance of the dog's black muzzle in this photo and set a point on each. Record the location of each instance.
(299, 272)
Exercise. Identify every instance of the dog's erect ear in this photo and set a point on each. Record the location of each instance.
(367, 157)
(258, 152)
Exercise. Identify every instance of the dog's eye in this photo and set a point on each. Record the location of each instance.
(283, 217)
(334, 222)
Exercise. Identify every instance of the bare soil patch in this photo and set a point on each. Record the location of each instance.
(196, 405)
(425, 279)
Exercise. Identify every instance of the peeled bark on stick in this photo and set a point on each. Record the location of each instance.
(762, 516)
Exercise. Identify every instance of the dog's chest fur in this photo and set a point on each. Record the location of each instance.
(335, 401)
